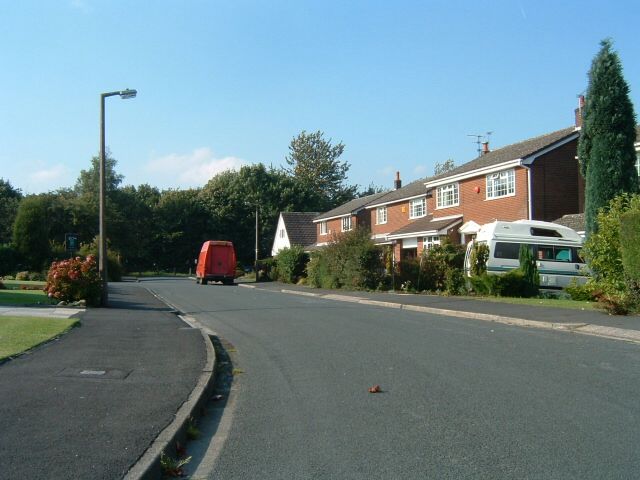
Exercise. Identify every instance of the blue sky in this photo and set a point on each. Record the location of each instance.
(220, 84)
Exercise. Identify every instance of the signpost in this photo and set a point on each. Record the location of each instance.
(71, 242)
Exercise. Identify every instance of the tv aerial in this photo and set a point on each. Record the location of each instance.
(480, 139)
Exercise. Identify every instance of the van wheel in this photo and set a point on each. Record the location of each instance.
(203, 281)
(227, 281)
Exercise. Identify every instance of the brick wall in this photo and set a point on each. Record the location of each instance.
(475, 206)
(397, 217)
(558, 187)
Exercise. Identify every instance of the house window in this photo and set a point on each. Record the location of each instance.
(447, 196)
(501, 184)
(429, 242)
(346, 224)
(323, 228)
(282, 233)
(638, 164)
(381, 215)
(418, 208)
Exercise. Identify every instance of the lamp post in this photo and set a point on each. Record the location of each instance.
(256, 260)
(102, 240)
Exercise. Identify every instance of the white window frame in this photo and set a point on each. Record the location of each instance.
(638, 164)
(323, 228)
(418, 208)
(282, 233)
(381, 215)
(430, 241)
(501, 184)
(347, 225)
(448, 196)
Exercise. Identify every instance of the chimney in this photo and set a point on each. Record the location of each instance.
(397, 183)
(579, 112)
(485, 148)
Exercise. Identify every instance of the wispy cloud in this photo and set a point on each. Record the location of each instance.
(44, 179)
(184, 170)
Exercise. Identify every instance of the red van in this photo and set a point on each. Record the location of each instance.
(216, 263)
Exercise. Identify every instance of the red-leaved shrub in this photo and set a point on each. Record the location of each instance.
(74, 279)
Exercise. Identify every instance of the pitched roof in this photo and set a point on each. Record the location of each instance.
(514, 151)
(574, 221)
(300, 227)
(425, 224)
(412, 189)
(349, 207)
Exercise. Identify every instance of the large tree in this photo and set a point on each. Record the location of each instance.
(315, 165)
(31, 231)
(9, 199)
(606, 152)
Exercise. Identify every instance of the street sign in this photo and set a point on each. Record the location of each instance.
(71, 242)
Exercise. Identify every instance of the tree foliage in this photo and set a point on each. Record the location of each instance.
(31, 231)
(9, 199)
(444, 167)
(606, 146)
(314, 163)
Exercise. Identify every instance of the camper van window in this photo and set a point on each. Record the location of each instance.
(545, 232)
(507, 250)
(554, 253)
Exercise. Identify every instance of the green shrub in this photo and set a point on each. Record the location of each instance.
(479, 258)
(430, 271)
(485, 284)
(350, 260)
(8, 259)
(581, 293)
(74, 279)
(114, 264)
(454, 281)
(291, 264)
(630, 244)
(529, 271)
(22, 276)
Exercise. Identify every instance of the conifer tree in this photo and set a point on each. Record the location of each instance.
(606, 151)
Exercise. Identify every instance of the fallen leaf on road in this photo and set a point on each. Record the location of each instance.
(375, 389)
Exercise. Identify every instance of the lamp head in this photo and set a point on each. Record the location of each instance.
(124, 94)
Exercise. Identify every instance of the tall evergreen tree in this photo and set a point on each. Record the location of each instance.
(606, 152)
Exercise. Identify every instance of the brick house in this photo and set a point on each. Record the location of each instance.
(536, 179)
(344, 218)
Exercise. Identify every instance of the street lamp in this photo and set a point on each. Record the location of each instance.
(102, 240)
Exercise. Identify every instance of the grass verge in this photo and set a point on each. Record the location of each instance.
(24, 297)
(542, 302)
(19, 334)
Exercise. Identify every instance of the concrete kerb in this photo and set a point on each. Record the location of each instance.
(581, 328)
(148, 465)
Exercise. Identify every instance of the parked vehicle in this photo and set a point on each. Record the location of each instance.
(556, 248)
(216, 263)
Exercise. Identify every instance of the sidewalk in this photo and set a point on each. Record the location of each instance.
(592, 322)
(89, 406)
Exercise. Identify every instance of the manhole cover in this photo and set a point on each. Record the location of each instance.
(100, 373)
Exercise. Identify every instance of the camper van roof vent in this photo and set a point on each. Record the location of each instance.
(545, 232)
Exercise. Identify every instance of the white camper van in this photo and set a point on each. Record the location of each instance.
(556, 248)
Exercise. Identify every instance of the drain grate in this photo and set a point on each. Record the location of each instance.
(97, 373)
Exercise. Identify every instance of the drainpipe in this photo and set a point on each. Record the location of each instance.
(529, 196)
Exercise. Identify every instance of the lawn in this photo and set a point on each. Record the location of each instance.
(542, 302)
(18, 334)
(24, 297)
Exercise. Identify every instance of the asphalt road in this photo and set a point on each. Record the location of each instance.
(461, 398)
